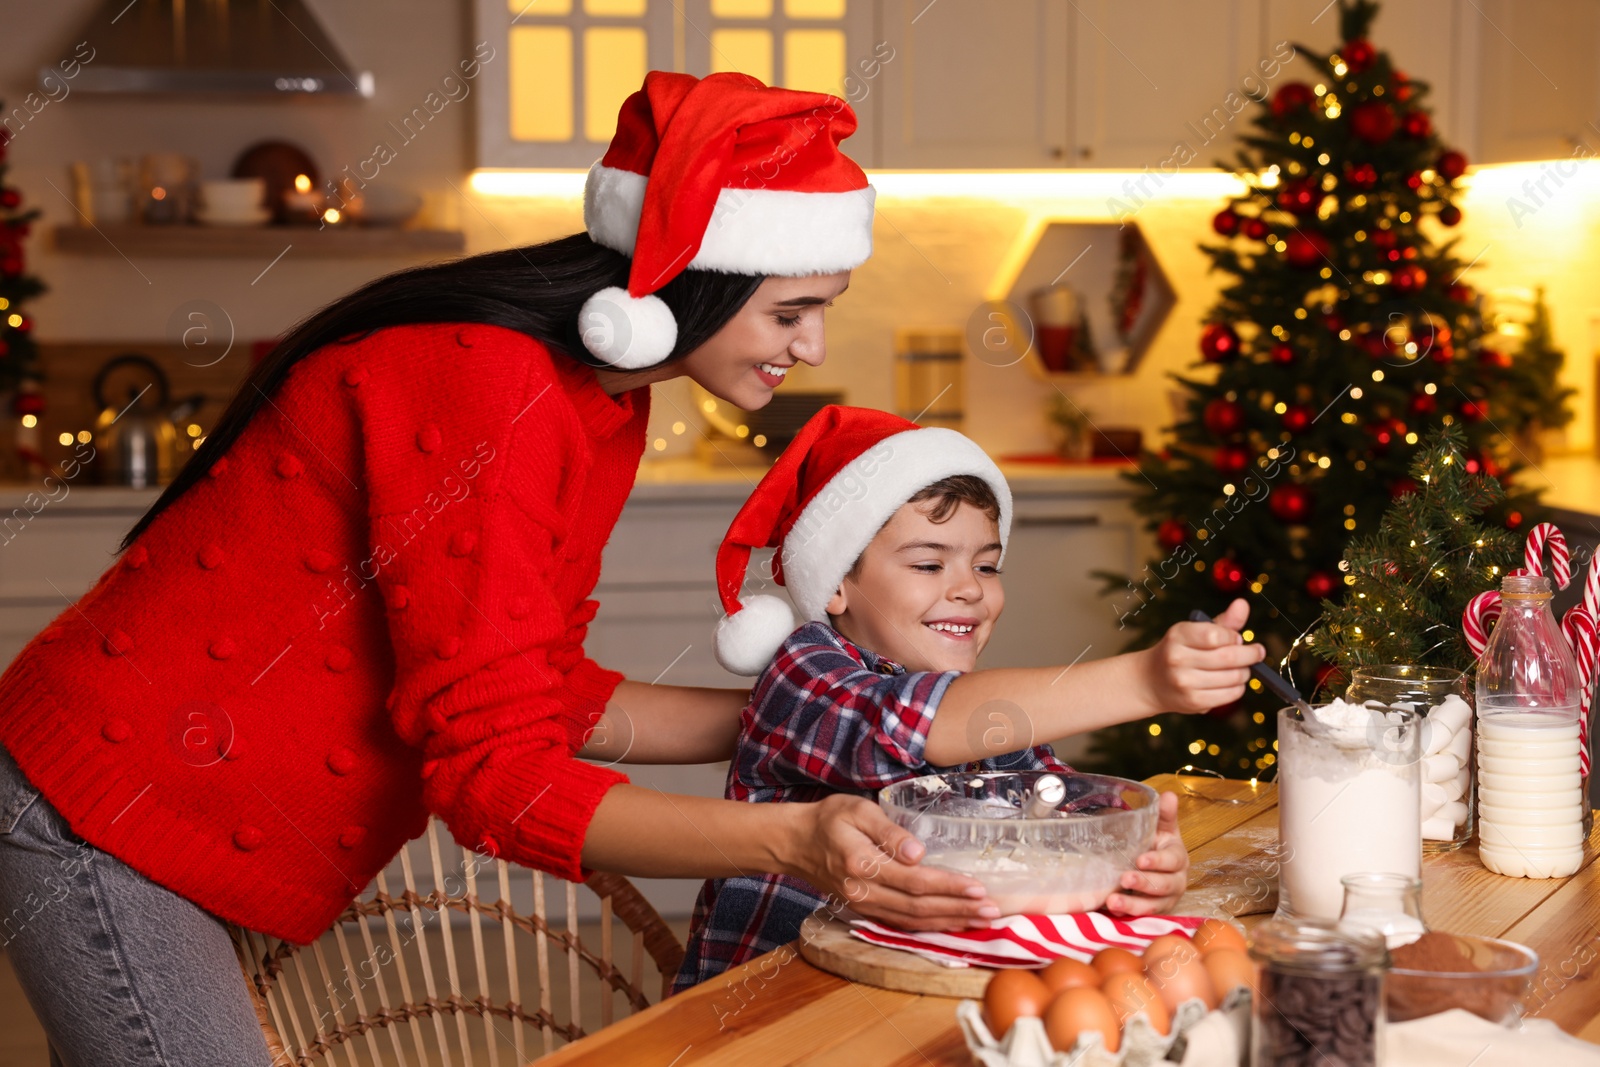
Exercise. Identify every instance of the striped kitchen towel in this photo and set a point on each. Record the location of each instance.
(1029, 940)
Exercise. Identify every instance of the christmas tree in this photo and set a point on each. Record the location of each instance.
(1343, 335)
(19, 355)
(1408, 584)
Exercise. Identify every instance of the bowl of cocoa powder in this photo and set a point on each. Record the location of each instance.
(1439, 971)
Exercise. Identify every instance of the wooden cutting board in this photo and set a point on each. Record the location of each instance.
(825, 943)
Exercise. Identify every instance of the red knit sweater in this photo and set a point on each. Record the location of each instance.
(372, 608)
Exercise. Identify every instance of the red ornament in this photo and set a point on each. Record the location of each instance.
(1297, 418)
(1320, 585)
(5, 349)
(1493, 357)
(1360, 175)
(1443, 353)
(1172, 534)
(1474, 411)
(1300, 197)
(1460, 292)
(1225, 222)
(1376, 344)
(1449, 215)
(1328, 677)
(28, 404)
(1223, 417)
(1305, 248)
(1514, 520)
(1481, 463)
(1282, 352)
(1423, 404)
(11, 265)
(1218, 343)
(1417, 124)
(1291, 503)
(1402, 86)
(1402, 486)
(1227, 575)
(1383, 239)
(10, 198)
(1374, 121)
(1255, 229)
(1332, 321)
(1451, 165)
(1358, 54)
(25, 326)
(1386, 432)
(1409, 278)
(1231, 460)
(1290, 98)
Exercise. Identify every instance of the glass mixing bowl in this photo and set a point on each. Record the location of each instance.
(1069, 861)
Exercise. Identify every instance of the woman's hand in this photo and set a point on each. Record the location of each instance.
(1198, 666)
(849, 850)
(1163, 872)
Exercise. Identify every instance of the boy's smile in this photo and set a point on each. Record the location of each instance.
(925, 594)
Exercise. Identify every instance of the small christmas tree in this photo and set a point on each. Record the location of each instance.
(19, 354)
(1407, 585)
(1533, 398)
(1342, 337)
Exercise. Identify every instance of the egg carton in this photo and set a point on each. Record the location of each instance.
(1199, 1038)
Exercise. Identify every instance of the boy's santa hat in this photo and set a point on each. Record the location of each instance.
(718, 173)
(844, 476)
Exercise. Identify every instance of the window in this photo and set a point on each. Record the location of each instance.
(564, 67)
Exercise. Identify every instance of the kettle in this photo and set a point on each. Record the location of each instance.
(136, 441)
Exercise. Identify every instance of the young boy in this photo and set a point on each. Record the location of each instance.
(890, 541)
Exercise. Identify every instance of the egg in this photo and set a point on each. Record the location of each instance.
(1011, 995)
(1069, 974)
(1109, 961)
(1229, 968)
(1214, 934)
(1175, 969)
(1166, 945)
(1131, 994)
(1081, 1011)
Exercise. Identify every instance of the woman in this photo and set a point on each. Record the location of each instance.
(364, 599)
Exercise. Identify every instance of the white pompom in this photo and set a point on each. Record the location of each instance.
(628, 332)
(747, 640)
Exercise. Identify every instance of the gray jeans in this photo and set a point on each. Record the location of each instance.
(119, 970)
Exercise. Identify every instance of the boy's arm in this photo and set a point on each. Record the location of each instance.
(1195, 667)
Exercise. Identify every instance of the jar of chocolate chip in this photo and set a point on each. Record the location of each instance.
(1321, 994)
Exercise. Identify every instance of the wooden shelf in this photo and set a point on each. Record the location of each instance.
(206, 242)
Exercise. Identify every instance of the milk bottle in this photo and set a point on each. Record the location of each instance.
(1530, 803)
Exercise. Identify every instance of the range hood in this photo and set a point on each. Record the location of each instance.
(202, 47)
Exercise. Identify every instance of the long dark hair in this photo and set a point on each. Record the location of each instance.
(537, 290)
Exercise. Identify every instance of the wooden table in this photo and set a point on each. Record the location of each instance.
(780, 1011)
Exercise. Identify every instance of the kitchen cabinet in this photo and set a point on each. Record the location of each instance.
(1163, 83)
(974, 85)
(1538, 86)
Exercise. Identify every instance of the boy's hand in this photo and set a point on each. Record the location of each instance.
(1163, 872)
(1198, 666)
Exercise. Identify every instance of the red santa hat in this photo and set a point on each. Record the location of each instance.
(717, 173)
(844, 476)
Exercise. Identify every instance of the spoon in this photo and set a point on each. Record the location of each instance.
(1269, 677)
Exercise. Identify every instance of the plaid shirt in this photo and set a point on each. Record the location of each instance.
(825, 717)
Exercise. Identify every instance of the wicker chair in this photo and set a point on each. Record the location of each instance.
(370, 991)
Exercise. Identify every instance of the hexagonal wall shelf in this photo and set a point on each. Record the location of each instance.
(1094, 294)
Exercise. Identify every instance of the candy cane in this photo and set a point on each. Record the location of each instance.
(1591, 587)
(1560, 557)
(1481, 611)
(1584, 636)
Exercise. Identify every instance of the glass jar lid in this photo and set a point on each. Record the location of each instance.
(1318, 946)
